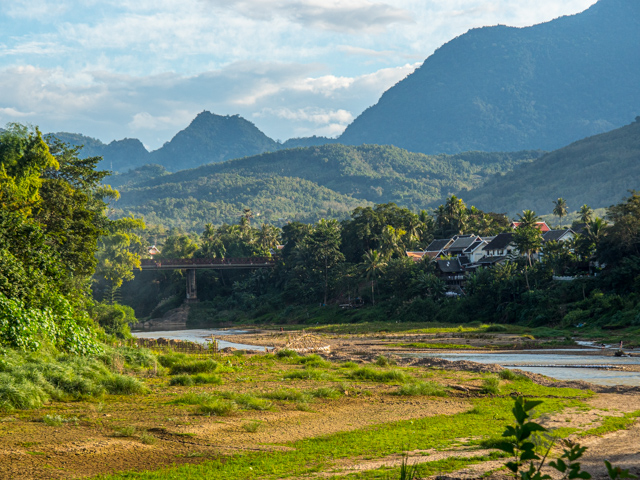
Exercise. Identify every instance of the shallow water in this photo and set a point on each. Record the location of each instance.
(560, 364)
(200, 336)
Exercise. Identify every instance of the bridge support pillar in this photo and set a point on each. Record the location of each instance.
(192, 294)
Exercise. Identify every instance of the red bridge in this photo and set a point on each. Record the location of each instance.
(193, 264)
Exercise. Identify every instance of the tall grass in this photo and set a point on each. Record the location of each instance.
(31, 380)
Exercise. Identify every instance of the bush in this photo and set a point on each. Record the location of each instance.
(286, 353)
(491, 385)
(123, 385)
(368, 373)
(496, 329)
(286, 394)
(325, 392)
(431, 389)
(193, 366)
(182, 380)
(218, 408)
(313, 361)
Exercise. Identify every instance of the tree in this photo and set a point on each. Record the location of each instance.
(560, 208)
(527, 240)
(528, 218)
(119, 253)
(623, 237)
(390, 241)
(324, 246)
(373, 264)
(586, 214)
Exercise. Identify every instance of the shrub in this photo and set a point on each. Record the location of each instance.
(325, 392)
(286, 353)
(286, 394)
(491, 385)
(496, 329)
(207, 379)
(182, 380)
(314, 361)
(349, 365)
(193, 366)
(128, 431)
(218, 408)
(306, 374)
(431, 389)
(252, 427)
(247, 401)
(123, 385)
(368, 373)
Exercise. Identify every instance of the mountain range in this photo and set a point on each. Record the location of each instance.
(505, 89)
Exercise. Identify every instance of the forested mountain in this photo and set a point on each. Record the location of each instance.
(212, 138)
(305, 184)
(209, 138)
(596, 171)
(506, 89)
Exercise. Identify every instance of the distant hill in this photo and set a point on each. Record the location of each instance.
(304, 184)
(507, 89)
(212, 138)
(119, 155)
(598, 171)
(209, 138)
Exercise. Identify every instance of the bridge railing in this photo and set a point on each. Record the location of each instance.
(208, 261)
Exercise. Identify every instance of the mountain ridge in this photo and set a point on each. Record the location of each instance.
(507, 89)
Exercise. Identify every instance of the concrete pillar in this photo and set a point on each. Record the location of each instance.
(192, 294)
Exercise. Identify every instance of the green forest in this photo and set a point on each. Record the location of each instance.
(304, 184)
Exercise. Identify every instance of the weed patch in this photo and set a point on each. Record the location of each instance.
(431, 389)
(372, 375)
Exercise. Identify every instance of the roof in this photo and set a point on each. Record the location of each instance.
(460, 243)
(438, 245)
(580, 228)
(449, 266)
(542, 226)
(556, 235)
(473, 246)
(500, 242)
(153, 250)
(492, 260)
(415, 256)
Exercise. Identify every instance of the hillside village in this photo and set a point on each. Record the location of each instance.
(460, 255)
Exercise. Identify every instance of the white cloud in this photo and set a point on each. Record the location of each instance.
(338, 15)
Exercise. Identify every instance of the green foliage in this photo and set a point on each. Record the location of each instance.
(114, 319)
(431, 389)
(306, 184)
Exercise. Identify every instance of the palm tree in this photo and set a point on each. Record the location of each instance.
(560, 208)
(391, 241)
(373, 263)
(528, 218)
(586, 214)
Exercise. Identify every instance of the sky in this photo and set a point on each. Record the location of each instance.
(144, 69)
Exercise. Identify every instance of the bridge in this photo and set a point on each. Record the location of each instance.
(193, 264)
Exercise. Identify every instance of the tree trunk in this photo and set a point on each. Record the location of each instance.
(373, 295)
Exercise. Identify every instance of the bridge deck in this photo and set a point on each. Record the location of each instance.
(207, 263)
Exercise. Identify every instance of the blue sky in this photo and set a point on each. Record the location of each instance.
(113, 69)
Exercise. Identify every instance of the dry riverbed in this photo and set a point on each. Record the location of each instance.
(152, 431)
